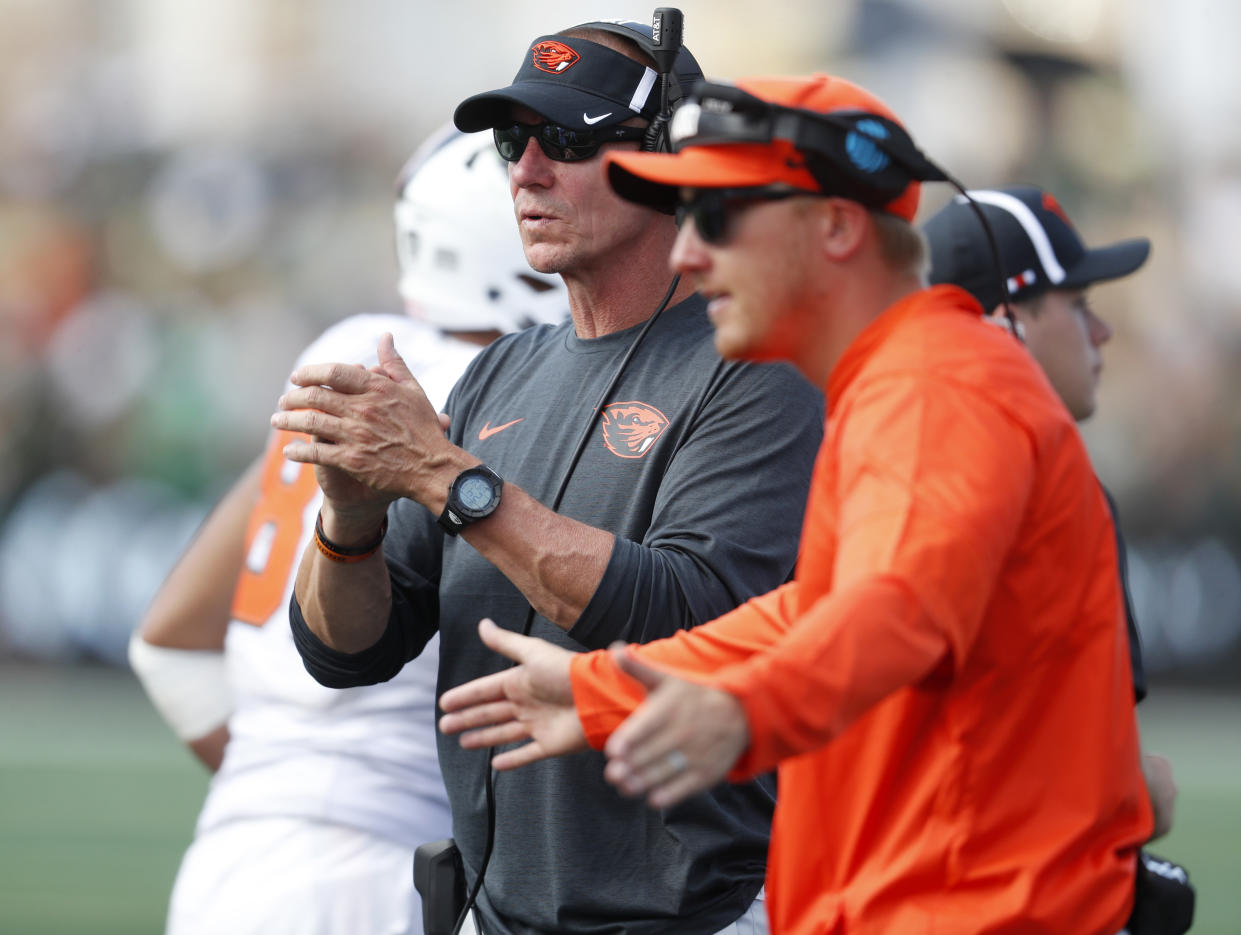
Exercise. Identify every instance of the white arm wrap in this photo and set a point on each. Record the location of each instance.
(189, 687)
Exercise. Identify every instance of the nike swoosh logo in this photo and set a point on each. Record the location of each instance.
(589, 121)
(487, 431)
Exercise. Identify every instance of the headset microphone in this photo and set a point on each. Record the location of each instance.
(667, 30)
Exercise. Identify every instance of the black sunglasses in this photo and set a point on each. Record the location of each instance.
(560, 144)
(713, 208)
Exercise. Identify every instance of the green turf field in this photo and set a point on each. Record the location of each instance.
(97, 801)
(1201, 735)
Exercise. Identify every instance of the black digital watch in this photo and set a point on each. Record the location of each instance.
(474, 495)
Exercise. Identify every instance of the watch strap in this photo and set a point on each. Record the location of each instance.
(450, 521)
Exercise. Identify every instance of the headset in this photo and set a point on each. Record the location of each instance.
(663, 45)
(667, 29)
(859, 155)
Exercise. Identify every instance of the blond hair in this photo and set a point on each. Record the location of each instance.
(902, 245)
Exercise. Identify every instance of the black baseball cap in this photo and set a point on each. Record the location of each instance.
(1038, 246)
(581, 84)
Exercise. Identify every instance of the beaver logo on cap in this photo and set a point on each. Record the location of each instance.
(553, 57)
(631, 428)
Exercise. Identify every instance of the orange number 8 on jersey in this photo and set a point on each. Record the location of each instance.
(274, 533)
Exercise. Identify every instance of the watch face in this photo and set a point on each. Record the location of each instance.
(475, 493)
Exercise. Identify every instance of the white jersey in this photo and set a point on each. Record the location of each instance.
(360, 757)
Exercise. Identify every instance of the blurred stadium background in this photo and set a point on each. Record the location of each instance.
(190, 191)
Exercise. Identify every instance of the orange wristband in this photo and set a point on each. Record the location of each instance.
(346, 555)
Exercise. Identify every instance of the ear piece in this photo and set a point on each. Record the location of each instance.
(856, 154)
(861, 155)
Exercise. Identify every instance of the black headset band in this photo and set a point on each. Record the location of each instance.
(848, 152)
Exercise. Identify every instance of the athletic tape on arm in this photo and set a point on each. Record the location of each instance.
(189, 687)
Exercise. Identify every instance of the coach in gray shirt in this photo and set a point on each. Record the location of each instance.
(679, 497)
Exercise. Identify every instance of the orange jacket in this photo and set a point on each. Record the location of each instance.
(945, 686)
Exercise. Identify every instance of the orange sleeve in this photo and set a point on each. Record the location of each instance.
(932, 484)
(605, 696)
(844, 655)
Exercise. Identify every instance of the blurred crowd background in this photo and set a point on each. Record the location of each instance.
(190, 190)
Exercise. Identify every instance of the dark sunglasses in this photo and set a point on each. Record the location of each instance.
(713, 208)
(560, 144)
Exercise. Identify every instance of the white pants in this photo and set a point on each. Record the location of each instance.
(753, 922)
(281, 876)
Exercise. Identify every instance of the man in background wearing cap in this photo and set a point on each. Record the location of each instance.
(944, 686)
(1047, 271)
(680, 500)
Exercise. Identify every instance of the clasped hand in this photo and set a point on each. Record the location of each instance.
(374, 435)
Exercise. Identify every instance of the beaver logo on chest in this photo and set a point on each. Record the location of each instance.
(630, 429)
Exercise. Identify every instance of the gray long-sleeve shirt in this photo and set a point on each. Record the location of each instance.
(701, 469)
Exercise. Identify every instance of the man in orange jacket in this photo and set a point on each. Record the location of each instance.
(944, 687)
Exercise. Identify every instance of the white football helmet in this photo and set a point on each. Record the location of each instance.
(462, 267)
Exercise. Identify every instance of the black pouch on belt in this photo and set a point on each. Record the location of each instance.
(1164, 900)
(439, 878)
